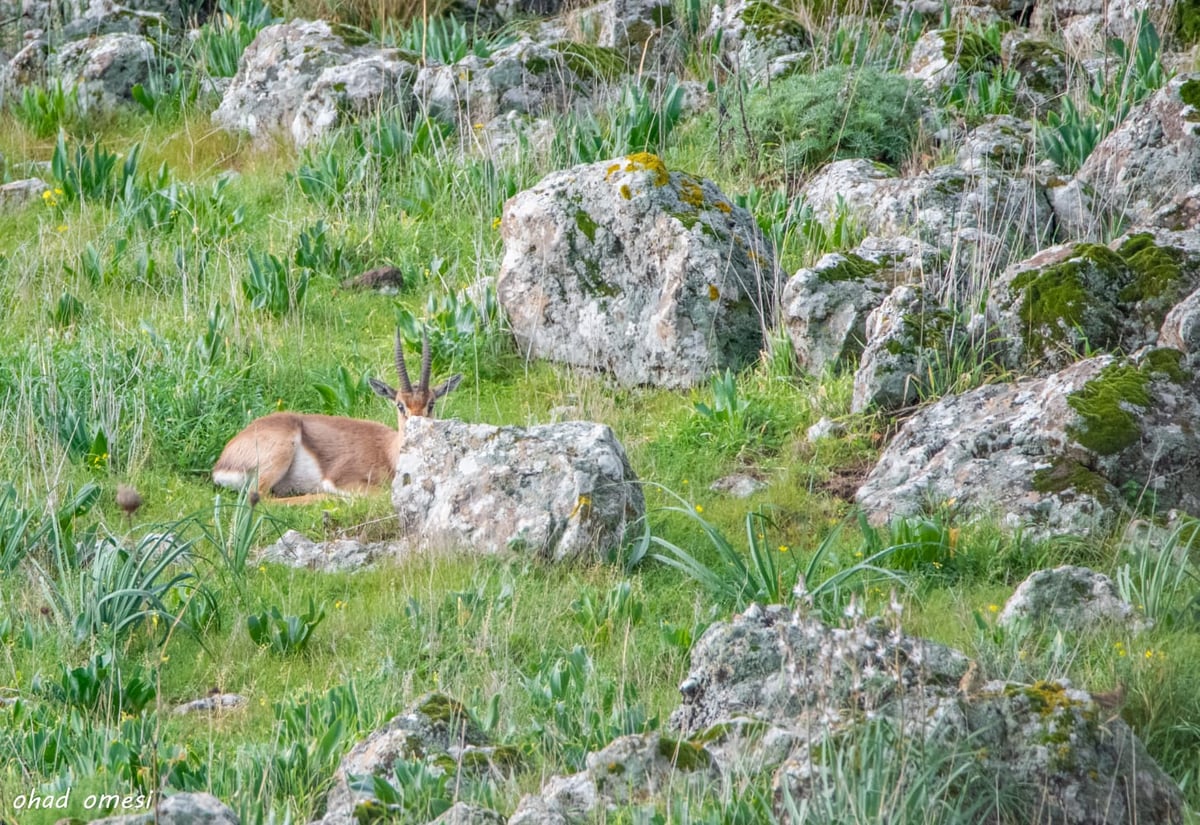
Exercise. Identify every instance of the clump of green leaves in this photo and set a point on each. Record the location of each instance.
(101, 684)
(271, 284)
(806, 120)
(284, 635)
(45, 111)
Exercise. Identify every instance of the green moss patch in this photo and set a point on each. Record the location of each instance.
(1107, 424)
(683, 754)
(1065, 474)
(1157, 273)
(586, 224)
(851, 267)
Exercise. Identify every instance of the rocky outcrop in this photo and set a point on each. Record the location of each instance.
(557, 491)
(180, 809)
(1146, 172)
(104, 70)
(628, 769)
(756, 38)
(787, 693)
(1085, 298)
(623, 266)
(1054, 455)
(435, 727)
(363, 87)
(275, 75)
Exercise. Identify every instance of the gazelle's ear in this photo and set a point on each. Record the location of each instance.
(446, 386)
(383, 389)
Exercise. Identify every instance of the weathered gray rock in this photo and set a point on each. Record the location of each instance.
(825, 310)
(983, 219)
(1145, 170)
(1044, 67)
(363, 87)
(108, 17)
(622, 266)
(525, 77)
(1069, 598)
(213, 704)
(1084, 24)
(1077, 298)
(907, 335)
(790, 691)
(1052, 454)
(21, 193)
(738, 485)
(464, 813)
(435, 725)
(294, 549)
(277, 71)
(757, 40)
(1181, 329)
(180, 809)
(559, 491)
(1000, 142)
(628, 769)
(105, 69)
(627, 25)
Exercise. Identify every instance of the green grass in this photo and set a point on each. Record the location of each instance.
(149, 339)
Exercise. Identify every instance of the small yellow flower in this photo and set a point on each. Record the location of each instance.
(993, 608)
(164, 658)
(496, 223)
(478, 127)
(699, 508)
(783, 548)
(339, 604)
(62, 227)
(1149, 654)
(685, 481)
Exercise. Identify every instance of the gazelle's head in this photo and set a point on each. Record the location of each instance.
(412, 400)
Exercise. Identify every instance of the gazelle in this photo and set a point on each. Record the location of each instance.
(298, 457)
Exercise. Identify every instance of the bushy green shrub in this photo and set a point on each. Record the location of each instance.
(805, 120)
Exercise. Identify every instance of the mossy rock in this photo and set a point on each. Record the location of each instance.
(1064, 302)
(764, 19)
(970, 51)
(1187, 23)
(850, 267)
(1158, 276)
(1108, 425)
(684, 755)
(1065, 474)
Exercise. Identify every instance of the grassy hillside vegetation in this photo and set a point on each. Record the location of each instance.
(176, 282)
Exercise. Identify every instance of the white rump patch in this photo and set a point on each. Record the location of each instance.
(235, 479)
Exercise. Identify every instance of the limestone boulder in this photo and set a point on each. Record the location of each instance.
(1070, 598)
(1146, 172)
(20, 193)
(1055, 455)
(557, 491)
(1181, 329)
(624, 266)
(525, 77)
(757, 39)
(628, 769)
(825, 310)
(363, 87)
(103, 70)
(787, 693)
(434, 726)
(626, 25)
(180, 809)
(276, 72)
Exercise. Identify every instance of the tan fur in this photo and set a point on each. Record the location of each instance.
(301, 457)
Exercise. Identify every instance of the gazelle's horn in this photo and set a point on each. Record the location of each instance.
(426, 361)
(401, 369)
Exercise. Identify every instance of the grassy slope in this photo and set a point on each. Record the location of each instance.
(476, 628)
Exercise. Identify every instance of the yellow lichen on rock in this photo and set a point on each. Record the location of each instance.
(649, 162)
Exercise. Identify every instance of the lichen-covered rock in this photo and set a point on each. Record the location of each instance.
(104, 70)
(825, 310)
(1044, 68)
(294, 549)
(276, 72)
(1181, 329)
(180, 809)
(363, 87)
(559, 491)
(1052, 455)
(1142, 171)
(435, 725)
(1077, 298)
(757, 38)
(216, 703)
(623, 266)
(525, 77)
(464, 813)
(1000, 142)
(628, 769)
(625, 25)
(907, 335)
(1085, 24)
(777, 689)
(1069, 598)
(107, 17)
(986, 217)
